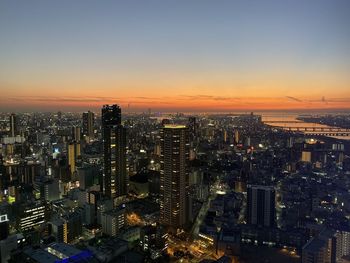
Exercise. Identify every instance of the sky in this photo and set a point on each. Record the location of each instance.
(190, 55)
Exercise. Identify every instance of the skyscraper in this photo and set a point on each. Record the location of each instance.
(236, 137)
(76, 133)
(192, 126)
(261, 205)
(13, 125)
(73, 154)
(115, 178)
(174, 174)
(88, 124)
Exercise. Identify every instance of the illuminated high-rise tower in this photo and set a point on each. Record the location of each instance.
(115, 178)
(73, 154)
(174, 175)
(236, 137)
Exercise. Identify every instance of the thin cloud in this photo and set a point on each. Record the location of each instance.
(62, 99)
(294, 98)
(146, 98)
(338, 100)
(208, 97)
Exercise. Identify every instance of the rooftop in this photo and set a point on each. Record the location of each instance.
(314, 245)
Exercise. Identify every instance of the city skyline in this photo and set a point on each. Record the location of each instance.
(194, 131)
(188, 56)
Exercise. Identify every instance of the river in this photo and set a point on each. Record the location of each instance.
(285, 119)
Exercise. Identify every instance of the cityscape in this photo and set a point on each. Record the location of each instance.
(174, 131)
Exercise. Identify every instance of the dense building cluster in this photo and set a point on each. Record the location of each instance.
(113, 187)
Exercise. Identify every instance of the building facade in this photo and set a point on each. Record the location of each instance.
(174, 175)
(14, 131)
(112, 221)
(88, 124)
(115, 177)
(261, 205)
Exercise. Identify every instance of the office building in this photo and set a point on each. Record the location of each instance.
(330, 246)
(67, 228)
(49, 190)
(174, 175)
(343, 243)
(103, 205)
(33, 216)
(92, 199)
(86, 176)
(115, 177)
(112, 221)
(261, 205)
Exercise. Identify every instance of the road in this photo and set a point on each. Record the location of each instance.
(204, 209)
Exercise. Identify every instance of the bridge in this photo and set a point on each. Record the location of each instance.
(331, 134)
(267, 122)
(316, 131)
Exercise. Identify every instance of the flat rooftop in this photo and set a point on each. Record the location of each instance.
(314, 245)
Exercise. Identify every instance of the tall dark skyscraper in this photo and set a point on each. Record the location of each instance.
(3, 177)
(192, 125)
(115, 177)
(88, 124)
(174, 175)
(261, 205)
(13, 125)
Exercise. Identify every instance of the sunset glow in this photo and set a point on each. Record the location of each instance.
(167, 56)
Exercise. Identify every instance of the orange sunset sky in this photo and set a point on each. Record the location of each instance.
(175, 55)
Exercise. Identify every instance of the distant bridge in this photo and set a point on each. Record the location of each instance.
(267, 122)
(332, 134)
(317, 131)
